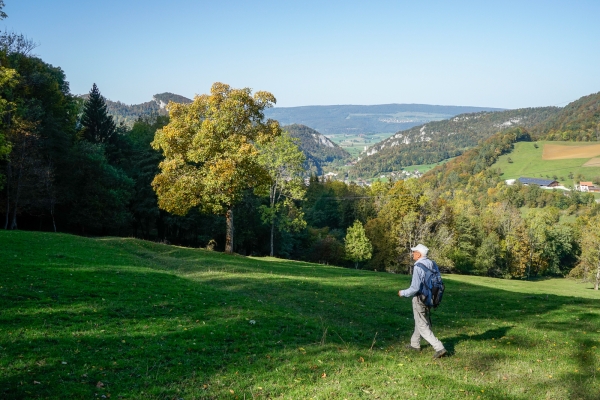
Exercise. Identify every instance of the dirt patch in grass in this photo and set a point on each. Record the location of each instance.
(594, 162)
(558, 152)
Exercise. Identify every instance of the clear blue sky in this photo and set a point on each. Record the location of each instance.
(505, 54)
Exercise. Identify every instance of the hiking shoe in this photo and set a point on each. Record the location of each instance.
(439, 354)
(409, 347)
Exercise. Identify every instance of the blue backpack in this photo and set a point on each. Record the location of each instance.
(432, 287)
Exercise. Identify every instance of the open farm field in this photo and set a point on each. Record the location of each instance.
(566, 152)
(551, 160)
(128, 319)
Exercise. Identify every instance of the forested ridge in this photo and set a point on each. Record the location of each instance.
(128, 114)
(440, 140)
(577, 121)
(189, 177)
(317, 148)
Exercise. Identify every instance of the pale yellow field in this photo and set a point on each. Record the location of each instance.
(559, 152)
(594, 162)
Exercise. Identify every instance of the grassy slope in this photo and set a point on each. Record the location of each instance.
(85, 318)
(527, 162)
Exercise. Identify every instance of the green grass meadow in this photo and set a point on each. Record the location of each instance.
(426, 167)
(115, 318)
(527, 162)
(355, 143)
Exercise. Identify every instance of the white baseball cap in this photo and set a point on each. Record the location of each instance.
(421, 248)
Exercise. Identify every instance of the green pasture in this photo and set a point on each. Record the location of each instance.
(355, 143)
(426, 167)
(527, 162)
(117, 318)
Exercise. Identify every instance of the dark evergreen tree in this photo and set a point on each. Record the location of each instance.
(97, 125)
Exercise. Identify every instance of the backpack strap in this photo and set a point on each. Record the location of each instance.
(425, 267)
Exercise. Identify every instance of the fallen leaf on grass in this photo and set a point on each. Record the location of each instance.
(37, 383)
(361, 360)
(324, 375)
(231, 391)
(99, 384)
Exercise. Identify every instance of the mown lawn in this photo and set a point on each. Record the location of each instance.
(123, 318)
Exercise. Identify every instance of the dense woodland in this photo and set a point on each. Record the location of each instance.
(67, 166)
(579, 121)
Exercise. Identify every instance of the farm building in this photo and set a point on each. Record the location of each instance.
(588, 187)
(539, 182)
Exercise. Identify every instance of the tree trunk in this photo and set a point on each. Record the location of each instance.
(52, 214)
(597, 278)
(8, 177)
(272, 195)
(229, 234)
(272, 235)
(13, 224)
(530, 261)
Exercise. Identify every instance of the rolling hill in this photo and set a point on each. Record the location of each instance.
(317, 148)
(578, 121)
(128, 114)
(361, 119)
(439, 140)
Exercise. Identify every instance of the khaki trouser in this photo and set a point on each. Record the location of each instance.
(423, 326)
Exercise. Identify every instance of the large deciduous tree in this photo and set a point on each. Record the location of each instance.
(210, 152)
(283, 161)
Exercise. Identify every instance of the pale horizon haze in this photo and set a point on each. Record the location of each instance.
(508, 54)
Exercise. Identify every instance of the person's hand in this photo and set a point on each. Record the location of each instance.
(400, 293)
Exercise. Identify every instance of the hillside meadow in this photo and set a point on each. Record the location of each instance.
(124, 318)
(528, 161)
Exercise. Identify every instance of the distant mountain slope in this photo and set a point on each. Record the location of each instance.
(317, 148)
(127, 114)
(578, 121)
(439, 140)
(383, 118)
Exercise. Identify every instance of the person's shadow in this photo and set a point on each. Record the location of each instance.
(497, 333)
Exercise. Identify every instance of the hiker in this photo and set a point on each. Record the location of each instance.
(420, 309)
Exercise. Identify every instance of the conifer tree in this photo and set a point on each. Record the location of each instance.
(358, 246)
(2, 13)
(97, 125)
